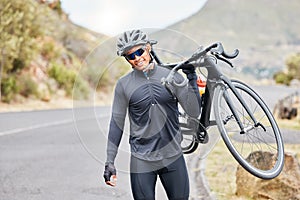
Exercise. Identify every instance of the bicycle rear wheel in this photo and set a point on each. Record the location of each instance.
(256, 141)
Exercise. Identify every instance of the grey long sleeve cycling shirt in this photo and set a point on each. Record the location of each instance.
(153, 114)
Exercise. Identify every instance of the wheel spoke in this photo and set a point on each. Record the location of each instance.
(254, 141)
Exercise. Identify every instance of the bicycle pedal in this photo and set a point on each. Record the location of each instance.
(202, 138)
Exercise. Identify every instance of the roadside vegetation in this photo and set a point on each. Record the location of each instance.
(41, 53)
(291, 72)
(29, 55)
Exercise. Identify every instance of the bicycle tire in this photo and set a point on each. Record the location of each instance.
(256, 140)
(188, 143)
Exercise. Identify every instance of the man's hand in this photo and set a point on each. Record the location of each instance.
(110, 172)
(189, 70)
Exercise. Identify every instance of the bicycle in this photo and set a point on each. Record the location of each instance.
(244, 120)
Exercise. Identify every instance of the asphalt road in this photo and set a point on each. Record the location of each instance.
(43, 158)
(59, 154)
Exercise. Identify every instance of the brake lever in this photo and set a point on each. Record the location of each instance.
(219, 50)
(232, 55)
(224, 60)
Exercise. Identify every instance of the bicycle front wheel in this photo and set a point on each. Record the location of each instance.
(260, 148)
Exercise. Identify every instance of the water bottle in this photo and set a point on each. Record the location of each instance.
(201, 85)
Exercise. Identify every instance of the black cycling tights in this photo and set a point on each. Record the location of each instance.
(174, 178)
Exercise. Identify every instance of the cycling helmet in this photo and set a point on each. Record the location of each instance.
(130, 39)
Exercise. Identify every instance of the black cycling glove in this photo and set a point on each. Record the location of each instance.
(110, 171)
(189, 70)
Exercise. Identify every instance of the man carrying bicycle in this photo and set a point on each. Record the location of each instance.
(155, 135)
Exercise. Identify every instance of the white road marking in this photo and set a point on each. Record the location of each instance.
(18, 130)
(56, 123)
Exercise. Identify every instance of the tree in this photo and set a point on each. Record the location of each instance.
(19, 28)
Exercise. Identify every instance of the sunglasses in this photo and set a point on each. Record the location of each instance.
(138, 52)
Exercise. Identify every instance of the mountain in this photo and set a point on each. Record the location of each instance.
(265, 31)
(58, 52)
(73, 37)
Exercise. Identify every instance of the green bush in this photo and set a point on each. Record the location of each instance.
(81, 89)
(19, 27)
(27, 87)
(66, 79)
(50, 51)
(8, 89)
(293, 70)
(18, 65)
(282, 78)
(293, 65)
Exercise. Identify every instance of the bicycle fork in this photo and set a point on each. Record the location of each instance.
(235, 113)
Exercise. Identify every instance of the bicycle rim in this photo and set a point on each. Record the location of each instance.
(188, 144)
(259, 151)
(188, 131)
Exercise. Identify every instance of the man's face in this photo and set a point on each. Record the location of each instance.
(136, 61)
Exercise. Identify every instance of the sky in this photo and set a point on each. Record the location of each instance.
(112, 17)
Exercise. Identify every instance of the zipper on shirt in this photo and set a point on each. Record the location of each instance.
(150, 89)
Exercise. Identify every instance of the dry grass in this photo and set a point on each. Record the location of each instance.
(289, 124)
(221, 168)
(31, 105)
(102, 99)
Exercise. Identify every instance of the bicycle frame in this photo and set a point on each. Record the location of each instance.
(231, 119)
(214, 78)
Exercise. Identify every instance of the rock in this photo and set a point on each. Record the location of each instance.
(288, 107)
(295, 83)
(284, 187)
